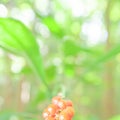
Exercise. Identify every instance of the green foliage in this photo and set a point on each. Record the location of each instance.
(69, 69)
(106, 57)
(15, 37)
(70, 48)
(53, 26)
(73, 37)
(51, 72)
(115, 118)
(5, 115)
(114, 14)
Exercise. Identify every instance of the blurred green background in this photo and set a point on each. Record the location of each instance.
(60, 46)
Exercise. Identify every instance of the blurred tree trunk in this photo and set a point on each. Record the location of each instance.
(108, 93)
(20, 104)
(8, 88)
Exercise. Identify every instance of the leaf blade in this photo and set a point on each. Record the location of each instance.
(16, 37)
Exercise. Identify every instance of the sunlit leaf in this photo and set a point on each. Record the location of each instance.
(17, 38)
(53, 26)
(71, 48)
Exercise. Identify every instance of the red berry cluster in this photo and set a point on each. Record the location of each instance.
(59, 109)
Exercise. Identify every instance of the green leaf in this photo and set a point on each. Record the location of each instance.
(5, 115)
(92, 79)
(53, 26)
(17, 38)
(9, 114)
(69, 69)
(105, 57)
(51, 72)
(71, 48)
(114, 13)
(41, 95)
(101, 60)
(13, 115)
(117, 117)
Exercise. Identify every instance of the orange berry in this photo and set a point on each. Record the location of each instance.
(70, 111)
(64, 116)
(56, 99)
(62, 104)
(69, 103)
(52, 109)
(50, 118)
(45, 114)
(59, 110)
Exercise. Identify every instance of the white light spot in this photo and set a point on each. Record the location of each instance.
(57, 61)
(60, 17)
(45, 115)
(43, 30)
(1, 52)
(94, 32)
(25, 15)
(43, 47)
(17, 64)
(3, 11)
(42, 6)
(79, 7)
(25, 94)
(50, 109)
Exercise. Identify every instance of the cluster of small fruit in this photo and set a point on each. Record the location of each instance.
(59, 109)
